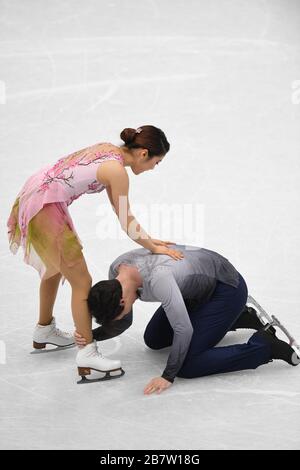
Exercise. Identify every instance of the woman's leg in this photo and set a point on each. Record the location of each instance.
(59, 249)
(81, 283)
(48, 291)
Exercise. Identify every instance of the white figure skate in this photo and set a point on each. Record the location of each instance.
(89, 358)
(50, 334)
(270, 321)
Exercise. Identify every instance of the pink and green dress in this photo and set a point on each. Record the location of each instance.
(40, 221)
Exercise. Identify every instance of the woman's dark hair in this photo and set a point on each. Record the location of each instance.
(104, 301)
(148, 137)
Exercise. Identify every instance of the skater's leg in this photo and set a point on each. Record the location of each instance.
(158, 333)
(211, 321)
(48, 291)
(81, 282)
(233, 358)
(250, 319)
(87, 357)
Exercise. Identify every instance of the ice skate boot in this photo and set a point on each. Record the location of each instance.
(50, 334)
(272, 322)
(249, 319)
(89, 358)
(263, 316)
(279, 349)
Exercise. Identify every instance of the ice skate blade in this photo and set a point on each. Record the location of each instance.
(46, 351)
(273, 321)
(293, 343)
(261, 313)
(295, 359)
(107, 376)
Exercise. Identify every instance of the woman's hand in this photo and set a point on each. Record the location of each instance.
(160, 242)
(79, 340)
(157, 385)
(164, 250)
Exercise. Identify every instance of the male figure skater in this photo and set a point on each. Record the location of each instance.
(202, 297)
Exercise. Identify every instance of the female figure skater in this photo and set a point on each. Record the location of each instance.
(41, 223)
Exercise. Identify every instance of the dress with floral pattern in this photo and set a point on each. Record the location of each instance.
(40, 220)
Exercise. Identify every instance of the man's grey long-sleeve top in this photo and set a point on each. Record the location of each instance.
(175, 284)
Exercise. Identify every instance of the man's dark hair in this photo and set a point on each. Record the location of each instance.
(104, 301)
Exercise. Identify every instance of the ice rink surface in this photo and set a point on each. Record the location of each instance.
(222, 79)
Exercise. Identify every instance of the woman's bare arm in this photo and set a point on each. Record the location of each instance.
(116, 180)
(114, 176)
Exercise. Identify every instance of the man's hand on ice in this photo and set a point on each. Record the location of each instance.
(158, 385)
(79, 340)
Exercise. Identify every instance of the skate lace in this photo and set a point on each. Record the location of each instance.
(98, 353)
(61, 333)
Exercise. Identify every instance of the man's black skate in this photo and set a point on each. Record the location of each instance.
(279, 349)
(250, 320)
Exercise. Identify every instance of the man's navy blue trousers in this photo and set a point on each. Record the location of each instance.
(211, 321)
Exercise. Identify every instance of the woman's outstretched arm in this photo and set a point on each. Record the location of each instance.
(117, 187)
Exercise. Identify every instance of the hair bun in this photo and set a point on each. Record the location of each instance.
(127, 135)
(146, 137)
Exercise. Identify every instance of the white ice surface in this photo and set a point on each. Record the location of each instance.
(221, 78)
